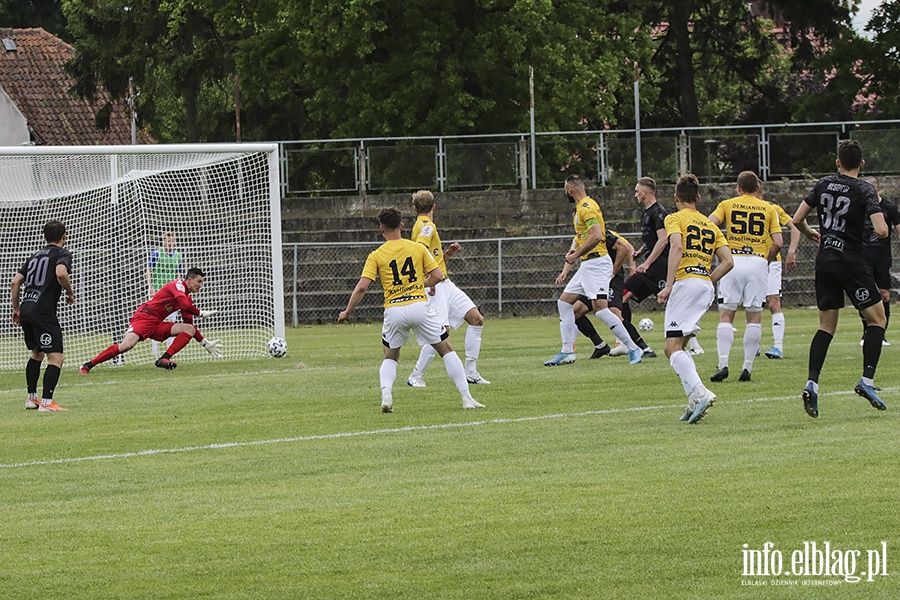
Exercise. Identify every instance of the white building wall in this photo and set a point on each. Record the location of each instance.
(13, 126)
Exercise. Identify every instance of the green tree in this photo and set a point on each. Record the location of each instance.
(47, 14)
(883, 62)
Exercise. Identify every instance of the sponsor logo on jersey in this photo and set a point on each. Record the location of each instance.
(833, 243)
(179, 286)
(427, 230)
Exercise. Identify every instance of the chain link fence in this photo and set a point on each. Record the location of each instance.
(503, 276)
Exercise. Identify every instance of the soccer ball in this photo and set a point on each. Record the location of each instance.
(277, 347)
(645, 325)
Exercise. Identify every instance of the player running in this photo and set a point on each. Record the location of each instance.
(689, 290)
(149, 322)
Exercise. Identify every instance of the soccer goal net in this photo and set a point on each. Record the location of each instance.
(123, 207)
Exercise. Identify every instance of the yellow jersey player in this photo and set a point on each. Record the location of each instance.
(452, 305)
(592, 278)
(754, 236)
(406, 269)
(773, 285)
(689, 291)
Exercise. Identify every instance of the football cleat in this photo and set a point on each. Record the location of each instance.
(697, 350)
(416, 381)
(868, 392)
(471, 403)
(649, 353)
(720, 374)
(620, 350)
(745, 375)
(51, 407)
(686, 415)
(477, 379)
(387, 408)
(635, 356)
(31, 404)
(165, 363)
(774, 353)
(86, 368)
(810, 401)
(563, 358)
(601, 352)
(703, 404)
(885, 343)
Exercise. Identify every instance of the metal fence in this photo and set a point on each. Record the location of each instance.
(503, 276)
(503, 161)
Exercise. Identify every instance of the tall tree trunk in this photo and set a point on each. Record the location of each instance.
(679, 23)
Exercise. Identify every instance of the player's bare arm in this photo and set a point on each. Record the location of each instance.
(777, 245)
(62, 275)
(623, 252)
(15, 289)
(799, 221)
(594, 236)
(452, 249)
(676, 250)
(362, 286)
(435, 276)
(726, 263)
(880, 225)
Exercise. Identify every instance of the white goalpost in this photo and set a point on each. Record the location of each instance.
(221, 202)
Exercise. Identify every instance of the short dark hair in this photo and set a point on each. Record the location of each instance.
(390, 218)
(748, 181)
(687, 189)
(575, 181)
(54, 231)
(850, 154)
(194, 272)
(648, 182)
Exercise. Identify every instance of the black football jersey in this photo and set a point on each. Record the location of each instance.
(843, 205)
(652, 220)
(41, 290)
(875, 247)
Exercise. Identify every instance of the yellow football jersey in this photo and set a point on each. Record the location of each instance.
(699, 238)
(403, 266)
(425, 232)
(749, 224)
(588, 214)
(783, 220)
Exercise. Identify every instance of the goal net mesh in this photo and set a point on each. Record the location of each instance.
(116, 208)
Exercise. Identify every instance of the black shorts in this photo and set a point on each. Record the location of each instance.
(834, 280)
(650, 283)
(43, 336)
(881, 270)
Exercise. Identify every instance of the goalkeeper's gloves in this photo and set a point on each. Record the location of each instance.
(213, 347)
(207, 313)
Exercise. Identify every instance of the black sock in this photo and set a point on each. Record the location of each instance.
(872, 350)
(818, 349)
(635, 336)
(587, 329)
(887, 314)
(32, 374)
(51, 378)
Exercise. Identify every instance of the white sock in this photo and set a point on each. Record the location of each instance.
(425, 357)
(456, 372)
(473, 347)
(154, 345)
(778, 330)
(567, 328)
(693, 344)
(684, 367)
(387, 374)
(615, 325)
(814, 384)
(724, 342)
(752, 335)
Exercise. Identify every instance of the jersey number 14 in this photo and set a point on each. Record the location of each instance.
(408, 269)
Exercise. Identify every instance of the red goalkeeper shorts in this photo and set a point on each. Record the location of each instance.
(150, 327)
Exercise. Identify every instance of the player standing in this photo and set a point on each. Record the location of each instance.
(689, 289)
(149, 321)
(406, 269)
(591, 280)
(45, 276)
(452, 305)
(878, 255)
(754, 237)
(774, 279)
(843, 204)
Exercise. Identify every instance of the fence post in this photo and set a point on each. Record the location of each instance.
(499, 277)
(763, 155)
(682, 154)
(523, 167)
(296, 317)
(362, 170)
(442, 175)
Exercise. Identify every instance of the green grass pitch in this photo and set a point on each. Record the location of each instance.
(281, 478)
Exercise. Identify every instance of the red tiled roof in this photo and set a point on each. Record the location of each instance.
(34, 77)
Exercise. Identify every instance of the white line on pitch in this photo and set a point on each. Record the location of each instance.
(372, 432)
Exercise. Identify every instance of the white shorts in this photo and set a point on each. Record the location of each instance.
(418, 317)
(773, 287)
(745, 284)
(592, 278)
(688, 302)
(450, 303)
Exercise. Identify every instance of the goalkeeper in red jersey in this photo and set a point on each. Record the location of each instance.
(148, 322)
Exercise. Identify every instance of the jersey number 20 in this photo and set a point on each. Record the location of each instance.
(37, 271)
